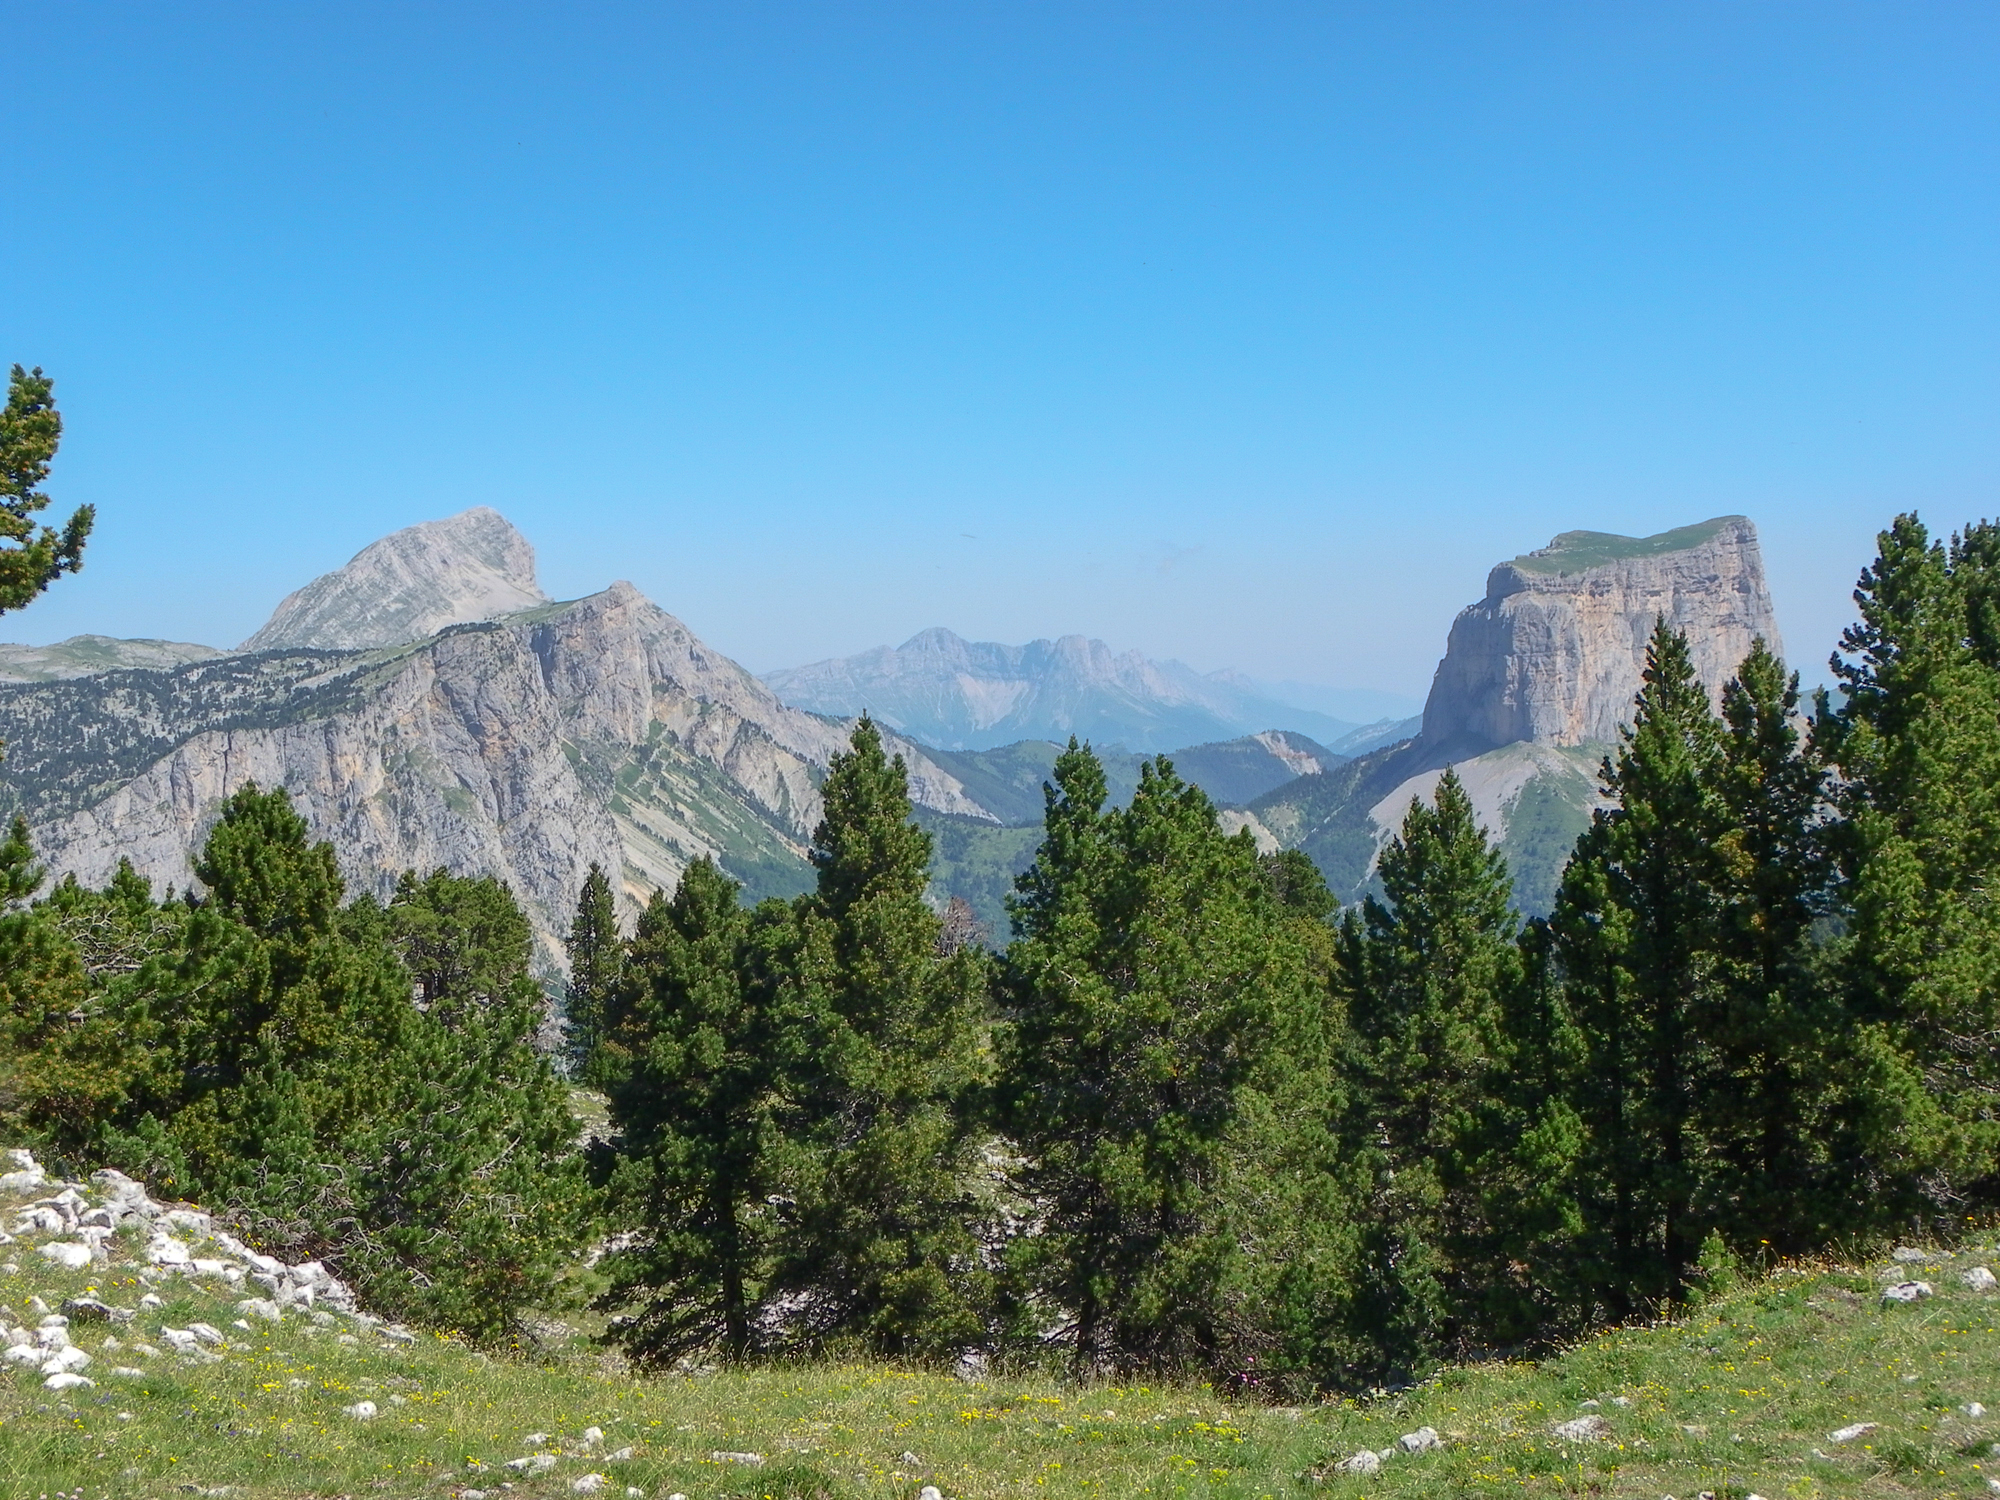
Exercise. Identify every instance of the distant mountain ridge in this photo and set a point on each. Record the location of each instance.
(943, 690)
(87, 655)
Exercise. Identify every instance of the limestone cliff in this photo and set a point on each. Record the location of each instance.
(410, 584)
(1554, 652)
(600, 731)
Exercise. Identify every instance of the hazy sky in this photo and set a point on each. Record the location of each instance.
(1248, 334)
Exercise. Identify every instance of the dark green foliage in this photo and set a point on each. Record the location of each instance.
(1168, 1071)
(1777, 1118)
(268, 1051)
(889, 1066)
(32, 557)
(698, 1107)
(1298, 885)
(1917, 745)
(1636, 924)
(464, 943)
(595, 958)
(1431, 969)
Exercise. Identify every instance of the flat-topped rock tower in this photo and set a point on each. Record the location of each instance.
(1554, 653)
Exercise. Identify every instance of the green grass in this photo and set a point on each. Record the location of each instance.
(1737, 1398)
(1574, 551)
(1546, 818)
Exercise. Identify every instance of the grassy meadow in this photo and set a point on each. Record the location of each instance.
(1736, 1399)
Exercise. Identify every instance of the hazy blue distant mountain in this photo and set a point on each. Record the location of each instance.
(1362, 705)
(956, 694)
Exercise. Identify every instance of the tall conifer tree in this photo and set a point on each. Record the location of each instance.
(1436, 971)
(595, 956)
(1636, 930)
(1167, 1071)
(880, 1239)
(1917, 745)
(697, 1106)
(32, 557)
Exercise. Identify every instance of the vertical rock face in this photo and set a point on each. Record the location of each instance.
(1555, 651)
(412, 583)
(528, 748)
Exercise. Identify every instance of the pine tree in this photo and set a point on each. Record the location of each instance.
(595, 954)
(424, 1152)
(1167, 1073)
(1636, 931)
(1437, 968)
(879, 1239)
(32, 558)
(694, 1111)
(1917, 746)
(466, 944)
(1770, 1112)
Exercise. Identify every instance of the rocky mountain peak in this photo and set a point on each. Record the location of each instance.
(1555, 651)
(410, 585)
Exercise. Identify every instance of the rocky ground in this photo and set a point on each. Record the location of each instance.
(150, 1353)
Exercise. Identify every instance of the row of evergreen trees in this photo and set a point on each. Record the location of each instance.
(1192, 1120)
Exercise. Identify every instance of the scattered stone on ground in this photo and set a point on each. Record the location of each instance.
(1588, 1429)
(1906, 1291)
(1980, 1279)
(1857, 1430)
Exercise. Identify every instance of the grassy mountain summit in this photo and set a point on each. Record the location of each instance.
(1578, 551)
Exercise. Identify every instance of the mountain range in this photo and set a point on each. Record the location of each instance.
(427, 705)
(955, 694)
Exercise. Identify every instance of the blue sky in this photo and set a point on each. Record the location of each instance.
(1247, 334)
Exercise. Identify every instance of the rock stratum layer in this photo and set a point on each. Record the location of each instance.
(600, 731)
(1555, 651)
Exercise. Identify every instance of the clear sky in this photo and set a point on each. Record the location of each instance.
(1251, 334)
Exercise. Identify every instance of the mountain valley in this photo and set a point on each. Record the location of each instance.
(428, 706)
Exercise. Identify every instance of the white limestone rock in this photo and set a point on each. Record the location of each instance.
(1554, 652)
(1585, 1429)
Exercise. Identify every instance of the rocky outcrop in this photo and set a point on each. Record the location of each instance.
(602, 731)
(411, 584)
(1554, 653)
